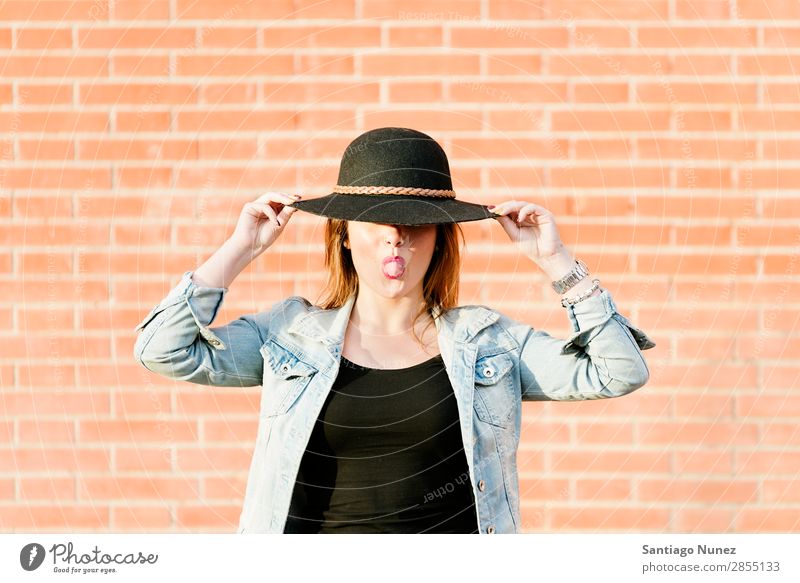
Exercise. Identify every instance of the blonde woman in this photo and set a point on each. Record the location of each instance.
(386, 407)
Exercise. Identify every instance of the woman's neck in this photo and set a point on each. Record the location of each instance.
(378, 315)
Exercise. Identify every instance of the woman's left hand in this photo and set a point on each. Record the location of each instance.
(531, 226)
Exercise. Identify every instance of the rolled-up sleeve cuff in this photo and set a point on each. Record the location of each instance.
(590, 315)
(203, 303)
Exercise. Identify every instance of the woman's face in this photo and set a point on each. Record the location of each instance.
(391, 259)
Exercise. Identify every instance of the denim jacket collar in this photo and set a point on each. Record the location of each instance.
(329, 326)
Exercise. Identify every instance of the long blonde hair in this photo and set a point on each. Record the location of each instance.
(439, 286)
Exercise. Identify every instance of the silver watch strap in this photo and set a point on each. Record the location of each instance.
(578, 273)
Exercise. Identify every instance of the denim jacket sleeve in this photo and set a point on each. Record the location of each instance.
(602, 358)
(176, 340)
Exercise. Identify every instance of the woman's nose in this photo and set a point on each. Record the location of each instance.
(395, 237)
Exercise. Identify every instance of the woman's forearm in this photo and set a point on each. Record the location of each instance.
(223, 266)
(560, 265)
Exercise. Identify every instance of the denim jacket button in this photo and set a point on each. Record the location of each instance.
(490, 530)
(285, 367)
(481, 485)
(489, 372)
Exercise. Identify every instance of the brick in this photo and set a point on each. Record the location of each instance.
(50, 263)
(228, 487)
(415, 36)
(64, 177)
(100, 93)
(136, 38)
(617, 65)
(137, 149)
(433, 64)
(600, 93)
(36, 150)
(705, 490)
(54, 66)
(692, 461)
(41, 431)
(212, 65)
(702, 375)
(138, 488)
(55, 10)
(203, 403)
(609, 519)
(610, 461)
(600, 490)
(229, 37)
(31, 207)
(62, 516)
(525, 64)
(141, 517)
(598, 120)
(145, 430)
(219, 93)
(703, 9)
(235, 10)
(707, 92)
(710, 433)
(136, 458)
(44, 38)
(415, 10)
(212, 459)
(767, 10)
(140, 10)
(694, 37)
(229, 430)
(759, 520)
(53, 459)
(767, 463)
(139, 65)
(508, 36)
(49, 402)
(285, 37)
(206, 516)
(702, 520)
(320, 92)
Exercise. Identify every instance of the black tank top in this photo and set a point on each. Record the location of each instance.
(385, 456)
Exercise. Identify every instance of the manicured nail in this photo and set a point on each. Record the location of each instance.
(490, 206)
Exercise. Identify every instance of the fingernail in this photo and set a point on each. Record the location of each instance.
(297, 196)
(490, 206)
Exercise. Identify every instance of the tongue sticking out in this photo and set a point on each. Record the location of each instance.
(394, 268)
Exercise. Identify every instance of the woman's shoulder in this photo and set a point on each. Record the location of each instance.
(280, 312)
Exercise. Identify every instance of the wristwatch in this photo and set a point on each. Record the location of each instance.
(578, 273)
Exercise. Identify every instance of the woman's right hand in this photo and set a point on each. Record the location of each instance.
(262, 221)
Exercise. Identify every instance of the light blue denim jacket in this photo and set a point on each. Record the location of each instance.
(293, 352)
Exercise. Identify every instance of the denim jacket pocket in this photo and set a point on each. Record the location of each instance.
(285, 378)
(494, 390)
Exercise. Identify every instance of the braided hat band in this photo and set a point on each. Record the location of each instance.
(413, 191)
(394, 175)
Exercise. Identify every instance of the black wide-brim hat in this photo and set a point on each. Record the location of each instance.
(395, 176)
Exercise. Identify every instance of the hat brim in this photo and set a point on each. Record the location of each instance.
(394, 209)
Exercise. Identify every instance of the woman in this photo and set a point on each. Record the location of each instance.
(389, 408)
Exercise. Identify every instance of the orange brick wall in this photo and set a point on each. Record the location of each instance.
(663, 134)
